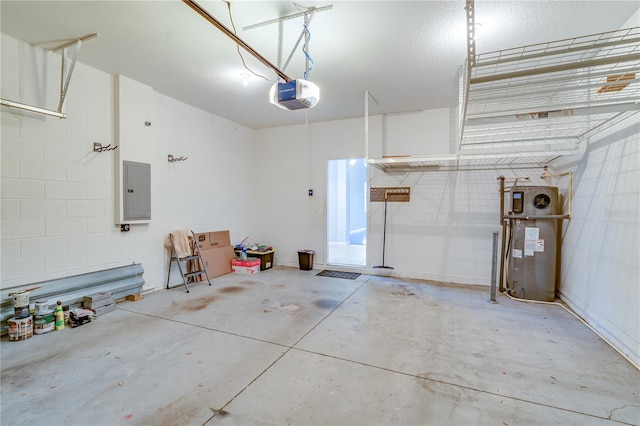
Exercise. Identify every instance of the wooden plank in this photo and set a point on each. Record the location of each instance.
(134, 297)
(392, 194)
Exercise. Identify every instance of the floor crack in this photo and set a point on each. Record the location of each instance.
(620, 408)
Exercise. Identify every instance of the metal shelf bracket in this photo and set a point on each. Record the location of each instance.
(65, 80)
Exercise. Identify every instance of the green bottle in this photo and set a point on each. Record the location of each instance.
(59, 316)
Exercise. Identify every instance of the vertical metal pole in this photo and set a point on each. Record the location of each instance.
(306, 46)
(366, 125)
(62, 75)
(280, 45)
(504, 235)
(494, 266)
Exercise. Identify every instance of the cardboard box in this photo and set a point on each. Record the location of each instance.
(217, 261)
(202, 239)
(247, 263)
(246, 270)
(219, 239)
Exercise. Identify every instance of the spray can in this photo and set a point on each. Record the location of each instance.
(59, 316)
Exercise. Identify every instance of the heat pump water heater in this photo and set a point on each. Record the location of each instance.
(533, 245)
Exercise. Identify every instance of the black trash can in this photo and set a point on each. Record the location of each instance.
(305, 258)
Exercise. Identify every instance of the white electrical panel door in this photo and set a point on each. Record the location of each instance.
(136, 191)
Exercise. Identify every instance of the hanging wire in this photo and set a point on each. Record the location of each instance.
(305, 48)
(238, 46)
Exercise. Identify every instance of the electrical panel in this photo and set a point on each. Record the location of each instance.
(136, 191)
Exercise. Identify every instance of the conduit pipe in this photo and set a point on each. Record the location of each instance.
(562, 305)
(226, 31)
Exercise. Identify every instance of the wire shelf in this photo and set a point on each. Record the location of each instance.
(528, 106)
(552, 92)
(473, 161)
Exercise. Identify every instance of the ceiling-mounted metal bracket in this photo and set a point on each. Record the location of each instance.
(288, 17)
(308, 15)
(65, 80)
(465, 78)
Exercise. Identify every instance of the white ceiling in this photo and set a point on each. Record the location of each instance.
(405, 53)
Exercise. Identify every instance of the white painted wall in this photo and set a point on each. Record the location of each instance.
(58, 197)
(135, 134)
(292, 161)
(444, 233)
(600, 276)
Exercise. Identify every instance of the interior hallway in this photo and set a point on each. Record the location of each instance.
(288, 347)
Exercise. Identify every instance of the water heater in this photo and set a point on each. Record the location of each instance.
(533, 242)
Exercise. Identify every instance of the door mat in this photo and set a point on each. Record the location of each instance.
(339, 274)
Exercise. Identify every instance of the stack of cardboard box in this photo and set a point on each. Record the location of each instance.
(216, 251)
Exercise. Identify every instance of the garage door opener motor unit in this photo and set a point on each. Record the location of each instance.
(295, 94)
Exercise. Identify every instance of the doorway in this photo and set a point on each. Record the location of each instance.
(347, 212)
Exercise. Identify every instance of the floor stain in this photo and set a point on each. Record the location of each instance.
(425, 384)
(291, 307)
(403, 292)
(232, 289)
(199, 304)
(326, 303)
(248, 282)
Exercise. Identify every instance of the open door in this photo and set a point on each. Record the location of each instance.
(347, 212)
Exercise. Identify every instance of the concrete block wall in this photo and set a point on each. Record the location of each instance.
(58, 196)
(55, 197)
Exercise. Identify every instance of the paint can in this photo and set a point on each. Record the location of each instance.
(43, 323)
(21, 304)
(42, 307)
(20, 328)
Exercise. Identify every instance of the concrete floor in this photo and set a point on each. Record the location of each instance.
(347, 254)
(288, 347)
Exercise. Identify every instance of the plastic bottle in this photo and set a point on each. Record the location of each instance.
(244, 254)
(59, 316)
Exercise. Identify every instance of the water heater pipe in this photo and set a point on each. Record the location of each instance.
(504, 234)
(569, 189)
(501, 179)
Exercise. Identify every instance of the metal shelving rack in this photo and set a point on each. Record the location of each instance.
(551, 95)
(529, 106)
(472, 161)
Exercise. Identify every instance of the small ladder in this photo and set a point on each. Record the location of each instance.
(195, 258)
